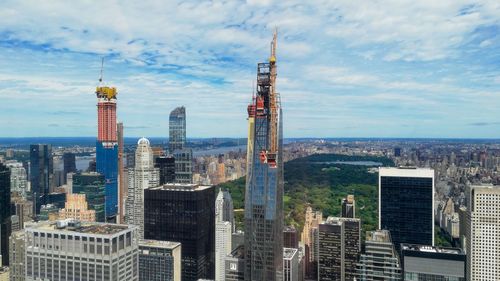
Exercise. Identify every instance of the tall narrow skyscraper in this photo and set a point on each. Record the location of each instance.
(41, 171)
(264, 185)
(143, 176)
(406, 205)
(4, 213)
(107, 147)
(177, 146)
(69, 160)
(349, 207)
(122, 191)
(224, 225)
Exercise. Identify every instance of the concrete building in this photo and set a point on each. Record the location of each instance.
(70, 250)
(93, 185)
(308, 237)
(223, 231)
(379, 260)
(159, 261)
(482, 233)
(141, 177)
(339, 249)
(422, 262)
(291, 270)
(17, 256)
(406, 204)
(76, 207)
(235, 265)
(18, 178)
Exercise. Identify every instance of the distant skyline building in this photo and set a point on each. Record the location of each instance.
(76, 207)
(339, 249)
(348, 207)
(406, 205)
(263, 217)
(72, 250)
(184, 213)
(482, 233)
(143, 176)
(41, 174)
(423, 262)
(159, 260)
(177, 146)
(93, 186)
(5, 223)
(107, 147)
(166, 166)
(379, 260)
(69, 165)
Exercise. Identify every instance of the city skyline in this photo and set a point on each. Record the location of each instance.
(419, 69)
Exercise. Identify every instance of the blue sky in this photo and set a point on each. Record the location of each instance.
(345, 68)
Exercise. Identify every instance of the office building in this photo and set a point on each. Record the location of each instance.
(422, 262)
(107, 148)
(183, 165)
(349, 207)
(49, 212)
(379, 260)
(406, 205)
(224, 210)
(290, 237)
(223, 231)
(93, 186)
(308, 237)
(339, 249)
(18, 178)
(69, 164)
(291, 268)
(184, 213)
(72, 250)
(16, 256)
(122, 178)
(41, 173)
(76, 207)
(177, 129)
(263, 217)
(166, 166)
(235, 265)
(482, 233)
(141, 177)
(159, 260)
(5, 226)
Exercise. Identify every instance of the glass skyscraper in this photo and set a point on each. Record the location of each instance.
(93, 186)
(41, 173)
(264, 186)
(177, 146)
(406, 204)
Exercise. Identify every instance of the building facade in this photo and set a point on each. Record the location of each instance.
(69, 165)
(41, 174)
(379, 260)
(159, 261)
(93, 186)
(166, 166)
(309, 233)
(16, 256)
(76, 207)
(349, 207)
(291, 268)
(406, 205)
(186, 214)
(70, 250)
(5, 223)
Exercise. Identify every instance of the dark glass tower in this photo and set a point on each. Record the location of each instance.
(177, 129)
(264, 186)
(185, 214)
(69, 160)
(406, 204)
(4, 213)
(93, 186)
(166, 165)
(41, 173)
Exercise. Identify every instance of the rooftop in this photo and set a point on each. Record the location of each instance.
(159, 244)
(289, 253)
(74, 226)
(412, 172)
(431, 249)
(181, 187)
(378, 236)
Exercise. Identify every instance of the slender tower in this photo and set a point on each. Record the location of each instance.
(107, 146)
(264, 186)
(122, 192)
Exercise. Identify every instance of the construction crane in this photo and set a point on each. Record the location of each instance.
(104, 91)
(273, 106)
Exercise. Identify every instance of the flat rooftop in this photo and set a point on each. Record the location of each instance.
(431, 249)
(159, 244)
(72, 226)
(288, 253)
(410, 172)
(181, 187)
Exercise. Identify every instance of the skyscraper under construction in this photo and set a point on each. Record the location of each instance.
(107, 147)
(264, 186)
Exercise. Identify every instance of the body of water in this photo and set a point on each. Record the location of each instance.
(358, 163)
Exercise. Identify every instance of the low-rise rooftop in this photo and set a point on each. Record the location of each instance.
(431, 249)
(75, 226)
(181, 187)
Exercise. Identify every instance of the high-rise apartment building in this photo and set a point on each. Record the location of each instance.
(406, 205)
(291, 268)
(5, 226)
(16, 256)
(308, 237)
(69, 165)
(93, 186)
(107, 147)
(18, 178)
(71, 250)
(122, 178)
(349, 207)
(379, 262)
(290, 237)
(159, 260)
(263, 216)
(76, 207)
(339, 249)
(224, 227)
(184, 213)
(41, 173)
(177, 146)
(482, 233)
(422, 262)
(166, 166)
(143, 176)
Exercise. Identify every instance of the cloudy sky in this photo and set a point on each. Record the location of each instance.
(346, 68)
